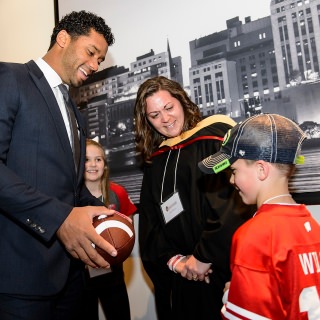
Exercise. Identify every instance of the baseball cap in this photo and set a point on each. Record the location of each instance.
(269, 137)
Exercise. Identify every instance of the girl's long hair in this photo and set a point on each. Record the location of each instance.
(105, 177)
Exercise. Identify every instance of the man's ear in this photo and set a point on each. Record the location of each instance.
(263, 169)
(62, 38)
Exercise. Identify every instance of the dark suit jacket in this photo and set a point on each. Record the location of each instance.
(38, 182)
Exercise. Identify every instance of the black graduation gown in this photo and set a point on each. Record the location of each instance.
(213, 210)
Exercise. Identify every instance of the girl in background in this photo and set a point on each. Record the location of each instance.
(109, 287)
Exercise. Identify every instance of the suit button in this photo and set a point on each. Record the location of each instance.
(28, 221)
(40, 229)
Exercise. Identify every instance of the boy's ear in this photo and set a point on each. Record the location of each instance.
(262, 169)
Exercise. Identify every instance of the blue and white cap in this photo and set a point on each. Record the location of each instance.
(269, 137)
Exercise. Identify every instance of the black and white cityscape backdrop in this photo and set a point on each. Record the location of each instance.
(143, 27)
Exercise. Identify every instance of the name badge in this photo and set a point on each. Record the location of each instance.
(171, 207)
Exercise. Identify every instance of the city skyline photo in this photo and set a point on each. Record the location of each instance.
(150, 26)
(140, 25)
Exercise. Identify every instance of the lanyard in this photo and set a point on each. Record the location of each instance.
(175, 174)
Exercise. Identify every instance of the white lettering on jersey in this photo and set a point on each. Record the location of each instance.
(309, 301)
(310, 262)
(307, 225)
(238, 313)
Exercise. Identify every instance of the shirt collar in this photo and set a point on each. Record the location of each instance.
(52, 77)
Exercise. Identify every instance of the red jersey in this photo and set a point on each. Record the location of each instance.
(126, 206)
(275, 264)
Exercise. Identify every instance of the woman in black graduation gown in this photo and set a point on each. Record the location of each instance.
(186, 218)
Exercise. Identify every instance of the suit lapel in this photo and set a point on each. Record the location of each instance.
(53, 108)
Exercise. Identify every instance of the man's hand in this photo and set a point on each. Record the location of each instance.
(196, 270)
(78, 235)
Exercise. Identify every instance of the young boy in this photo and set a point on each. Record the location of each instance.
(275, 256)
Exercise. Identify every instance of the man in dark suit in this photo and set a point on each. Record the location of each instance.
(45, 210)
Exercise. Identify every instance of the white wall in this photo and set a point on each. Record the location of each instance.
(139, 285)
(315, 211)
(25, 27)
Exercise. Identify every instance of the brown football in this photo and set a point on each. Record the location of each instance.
(117, 230)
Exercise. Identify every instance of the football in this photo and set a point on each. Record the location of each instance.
(118, 230)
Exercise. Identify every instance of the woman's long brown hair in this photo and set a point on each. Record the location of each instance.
(147, 138)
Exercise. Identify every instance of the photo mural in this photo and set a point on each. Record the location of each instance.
(237, 58)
